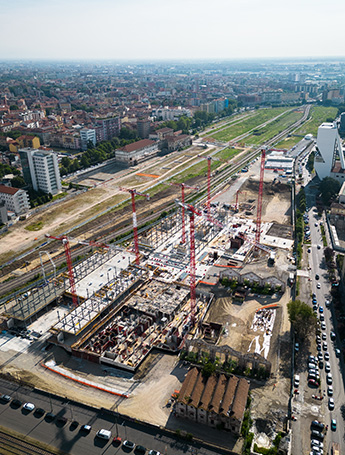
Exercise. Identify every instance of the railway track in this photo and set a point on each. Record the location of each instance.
(105, 228)
(17, 446)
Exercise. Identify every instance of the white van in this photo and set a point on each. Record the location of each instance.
(104, 434)
(296, 380)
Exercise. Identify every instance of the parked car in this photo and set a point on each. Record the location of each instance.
(5, 398)
(330, 390)
(317, 424)
(129, 444)
(74, 425)
(16, 403)
(85, 428)
(104, 434)
(326, 355)
(330, 404)
(332, 335)
(333, 424)
(316, 443)
(117, 440)
(317, 434)
(50, 416)
(327, 367)
(337, 352)
(29, 406)
(329, 378)
(39, 412)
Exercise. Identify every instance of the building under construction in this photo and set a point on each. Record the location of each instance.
(145, 295)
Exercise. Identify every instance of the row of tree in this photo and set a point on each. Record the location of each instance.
(95, 155)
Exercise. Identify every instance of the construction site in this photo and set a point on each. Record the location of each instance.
(158, 290)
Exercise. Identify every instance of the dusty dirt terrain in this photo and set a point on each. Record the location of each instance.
(276, 201)
(238, 319)
(270, 399)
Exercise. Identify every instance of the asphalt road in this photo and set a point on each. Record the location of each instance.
(75, 442)
(318, 267)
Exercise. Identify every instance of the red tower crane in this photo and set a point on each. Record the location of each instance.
(183, 186)
(133, 193)
(208, 202)
(65, 242)
(209, 159)
(191, 212)
(259, 206)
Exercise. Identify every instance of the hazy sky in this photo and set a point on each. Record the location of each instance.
(168, 29)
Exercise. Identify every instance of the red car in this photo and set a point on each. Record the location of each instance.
(314, 383)
(117, 440)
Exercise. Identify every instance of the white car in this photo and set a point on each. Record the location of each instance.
(331, 404)
(104, 434)
(318, 285)
(317, 443)
(330, 391)
(29, 406)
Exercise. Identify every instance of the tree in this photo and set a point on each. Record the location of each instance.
(329, 188)
(208, 369)
(329, 253)
(18, 181)
(302, 317)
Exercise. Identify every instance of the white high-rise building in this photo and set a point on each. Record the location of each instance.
(87, 135)
(41, 170)
(328, 147)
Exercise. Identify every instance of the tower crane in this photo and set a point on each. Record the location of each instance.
(133, 193)
(65, 241)
(259, 206)
(192, 211)
(209, 158)
(183, 186)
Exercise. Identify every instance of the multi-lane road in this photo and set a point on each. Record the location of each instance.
(307, 408)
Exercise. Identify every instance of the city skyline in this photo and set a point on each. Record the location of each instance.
(152, 30)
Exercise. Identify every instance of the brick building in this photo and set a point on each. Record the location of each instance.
(219, 400)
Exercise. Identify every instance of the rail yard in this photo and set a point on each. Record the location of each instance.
(208, 279)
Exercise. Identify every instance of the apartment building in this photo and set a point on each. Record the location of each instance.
(16, 200)
(87, 135)
(107, 128)
(41, 170)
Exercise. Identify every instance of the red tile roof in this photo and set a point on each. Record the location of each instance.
(137, 145)
(8, 189)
